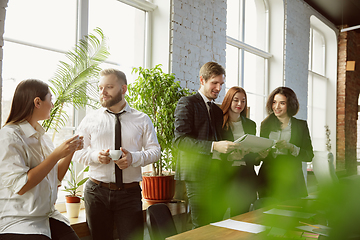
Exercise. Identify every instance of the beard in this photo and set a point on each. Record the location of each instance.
(114, 100)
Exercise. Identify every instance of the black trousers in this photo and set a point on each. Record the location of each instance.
(106, 208)
(206, 200)
(59, 231)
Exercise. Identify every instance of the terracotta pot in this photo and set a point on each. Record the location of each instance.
(72, 199)
(157, 189)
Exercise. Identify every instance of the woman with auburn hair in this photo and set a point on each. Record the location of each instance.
(30, 169)
(281, 173)
(242, 181)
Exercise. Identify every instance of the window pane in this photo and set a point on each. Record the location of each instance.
(22, 62)
(254, 81)
(42, 22)
(317, 111)
(234, 17)
(232, 66)
(124, 26)
(318, 53)
(256, 105)
(254, 67)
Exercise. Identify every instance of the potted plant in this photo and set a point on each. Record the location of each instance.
(157, 93)
(74, 182)
(73, 83)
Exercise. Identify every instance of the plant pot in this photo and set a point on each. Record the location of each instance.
(73, 209)
(72, 206)
(157, 189)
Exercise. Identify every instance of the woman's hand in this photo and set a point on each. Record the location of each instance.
(237, 154)
(282, 144)
(69, 146)
(263, 154)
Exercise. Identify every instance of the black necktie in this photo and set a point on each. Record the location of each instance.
(118, 171)
(212, 121)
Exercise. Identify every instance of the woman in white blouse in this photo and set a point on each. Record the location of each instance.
(31, 169)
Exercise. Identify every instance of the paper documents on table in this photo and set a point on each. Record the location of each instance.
(319, 229)
(240, 226)
(254, 143)
(289, 213)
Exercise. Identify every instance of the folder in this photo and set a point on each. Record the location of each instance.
(254, 144)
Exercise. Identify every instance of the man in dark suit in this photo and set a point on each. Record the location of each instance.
(198, 135)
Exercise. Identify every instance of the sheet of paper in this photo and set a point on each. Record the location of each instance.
(240, 226)
(322, 230)
(254, 143)
(289, 213)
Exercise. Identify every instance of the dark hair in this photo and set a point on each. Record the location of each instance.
(226, 104)
(291, 100)
(22, 105)
(119, 74)
(211, 69)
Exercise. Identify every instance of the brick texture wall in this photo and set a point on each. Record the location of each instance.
(347, 101)
(198, 35)
(3, 5)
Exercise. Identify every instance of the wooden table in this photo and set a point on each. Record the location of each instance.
(210, 232)
(82, 230)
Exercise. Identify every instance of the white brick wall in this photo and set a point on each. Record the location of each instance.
(296, 53)
(198, 36)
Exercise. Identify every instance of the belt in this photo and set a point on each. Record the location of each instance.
(112, 186)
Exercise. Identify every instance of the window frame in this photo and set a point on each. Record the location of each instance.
(243, 47)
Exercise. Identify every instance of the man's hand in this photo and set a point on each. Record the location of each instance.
(104, 157)
(225, 146)
(125, 160)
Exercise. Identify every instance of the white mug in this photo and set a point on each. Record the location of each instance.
(115, 154)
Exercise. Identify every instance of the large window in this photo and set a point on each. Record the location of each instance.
(34, 46)
(322, 84)
(246, 52)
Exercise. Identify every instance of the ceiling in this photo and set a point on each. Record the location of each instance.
(339, 12)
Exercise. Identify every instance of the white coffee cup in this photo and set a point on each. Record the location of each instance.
(115, 154)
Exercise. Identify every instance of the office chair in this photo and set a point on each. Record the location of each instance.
(324, 169)
(160, 222)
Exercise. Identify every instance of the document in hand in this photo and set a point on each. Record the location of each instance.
(254, 143)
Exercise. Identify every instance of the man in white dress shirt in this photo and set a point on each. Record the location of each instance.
(105, 203)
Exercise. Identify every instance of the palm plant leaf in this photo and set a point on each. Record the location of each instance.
(73, 82)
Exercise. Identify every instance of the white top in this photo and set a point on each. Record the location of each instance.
(138, 136)
(237, 129)
(284, 134)
(22, 148)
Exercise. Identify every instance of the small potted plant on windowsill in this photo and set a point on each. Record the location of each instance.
(74, 182)
(157, 93)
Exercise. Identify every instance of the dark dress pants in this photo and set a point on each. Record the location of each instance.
(106, 208)
(206, 200)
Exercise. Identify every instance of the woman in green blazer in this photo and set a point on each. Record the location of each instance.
(281, 175)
